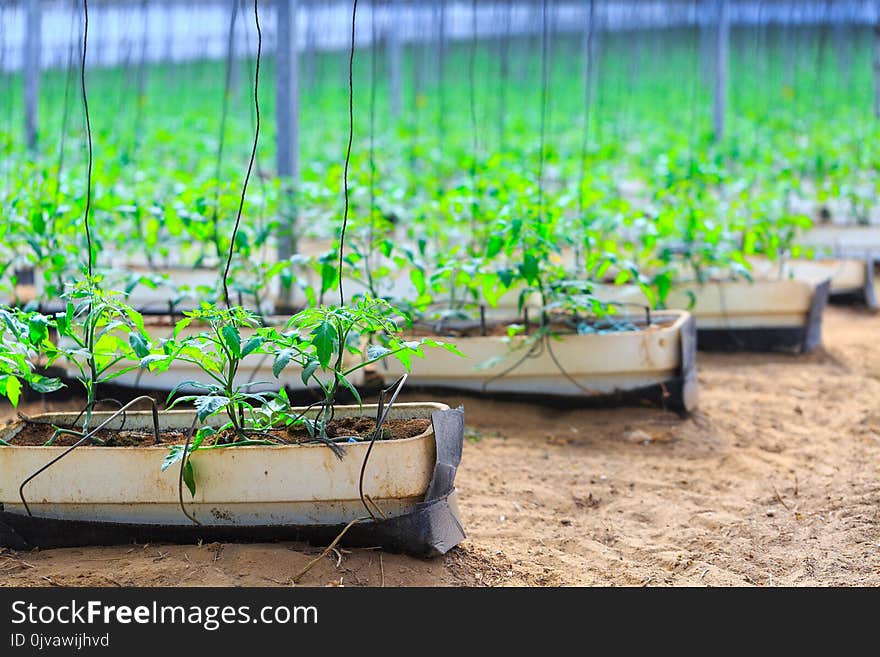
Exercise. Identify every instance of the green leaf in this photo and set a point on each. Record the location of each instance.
(38, 222)
(530, 267)
(148, 360)
(252, 344)
(182, 324)
(377, 351)
(329, 276)
(209, 404)
(136, 318)
(662, 282)
(12, 389)
(173, 456)
(493, 247)
(324, 339)
(139, 344)
(189, 477)
(417, 276)
(41, 383)
(281, 361)
(232, 339)
(192, 384)
(38, 329)
(347, 384)
(309, 370)
(506, 277)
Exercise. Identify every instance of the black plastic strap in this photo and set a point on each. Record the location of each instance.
(813, 328)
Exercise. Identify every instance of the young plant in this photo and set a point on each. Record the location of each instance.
(319, 341)
(218, 351)
(100, 335)
(22, 337)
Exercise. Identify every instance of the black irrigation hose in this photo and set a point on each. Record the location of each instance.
(103, 401)
(89, 136)
(86, 437)
(381, 414)
(563, 371)
(253, 155)
(348, 151)
(535, 351)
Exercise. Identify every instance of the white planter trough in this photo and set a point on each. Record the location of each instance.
(159, 300)
(656, 362)
(738, 315)
(845, 241)
(852, 280)
(103, 495)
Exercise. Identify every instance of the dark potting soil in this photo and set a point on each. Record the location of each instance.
(472, 329)
(362, 427)
(34, 434)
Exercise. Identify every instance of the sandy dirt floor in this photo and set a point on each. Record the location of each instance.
(773, 482)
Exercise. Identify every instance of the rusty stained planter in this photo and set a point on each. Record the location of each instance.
(111, 495)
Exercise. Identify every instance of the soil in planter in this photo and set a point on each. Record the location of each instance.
(35, 435)
(473, 328)
(362, 427)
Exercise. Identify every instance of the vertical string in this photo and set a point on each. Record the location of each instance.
(504, 72)
(588, 98)
(544, 83)
(227, 83)
(82, 79)
(65, 112)
(373, 71)
(348, 151)
(473, 110)
(253, 155)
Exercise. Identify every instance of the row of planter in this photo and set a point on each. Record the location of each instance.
(845, 254)
(652, 353)
(102, 495)
(304, 492)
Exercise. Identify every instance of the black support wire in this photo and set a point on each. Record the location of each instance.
(253, 155)
(85, 99)
(545, 75)
(348, 150)
(473, 112)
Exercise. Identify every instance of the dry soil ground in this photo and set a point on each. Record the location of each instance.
(774, 481)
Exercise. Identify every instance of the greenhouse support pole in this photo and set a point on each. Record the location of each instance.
(395, 60)
(721, 65)
(231, 69)
(287, 94)
(33, 27)
(877, 63)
